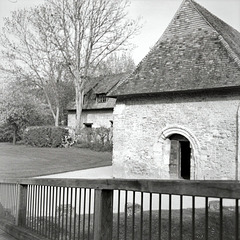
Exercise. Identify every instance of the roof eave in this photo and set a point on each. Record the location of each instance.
(220, 89)
(105, 108)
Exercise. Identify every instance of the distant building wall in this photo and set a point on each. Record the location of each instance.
(143, 126)
(98, 118)
(71, 121)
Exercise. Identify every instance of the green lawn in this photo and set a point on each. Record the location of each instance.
(24, 161)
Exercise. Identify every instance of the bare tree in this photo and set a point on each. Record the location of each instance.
(86, 32)
(116, 63)
(28, 56)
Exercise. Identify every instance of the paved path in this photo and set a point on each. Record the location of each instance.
(5, 236)
(102, 172)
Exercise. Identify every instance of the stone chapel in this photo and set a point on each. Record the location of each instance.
(177, 114)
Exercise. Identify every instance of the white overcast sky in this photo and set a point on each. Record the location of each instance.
(156, 15)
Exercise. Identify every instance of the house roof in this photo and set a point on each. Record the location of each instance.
(99, 85)
(197, 51)
(106, 83)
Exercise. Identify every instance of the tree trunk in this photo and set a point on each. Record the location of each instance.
(79, 105)
(50, 106)
(14, 134)
(57, 116)
(79, 92)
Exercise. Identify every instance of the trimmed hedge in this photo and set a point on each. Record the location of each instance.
(45, 136)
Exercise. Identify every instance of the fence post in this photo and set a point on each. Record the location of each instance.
(103, 214)
(21, 205)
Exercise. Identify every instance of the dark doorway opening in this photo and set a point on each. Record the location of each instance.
(185, 159)
(180, 157)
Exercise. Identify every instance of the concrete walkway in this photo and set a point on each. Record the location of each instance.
(5, 236)
(101, 172)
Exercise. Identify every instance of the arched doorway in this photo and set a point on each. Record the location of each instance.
(180, 157)
(188, 146)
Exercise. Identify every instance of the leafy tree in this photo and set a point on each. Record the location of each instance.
(21, 110)
(28, 56)
(85, 32)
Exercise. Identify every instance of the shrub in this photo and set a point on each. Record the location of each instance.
(98, 139)
(6, 133)
(45, 136)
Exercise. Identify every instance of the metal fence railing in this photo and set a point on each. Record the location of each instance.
(60, 212)
(123, 209)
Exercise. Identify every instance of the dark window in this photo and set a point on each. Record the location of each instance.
(180, 157)
(101, 98)
(84, 99)
(88, 125)
(111, 123)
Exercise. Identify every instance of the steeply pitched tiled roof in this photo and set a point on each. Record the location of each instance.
(229, 34)
(106, 83)
(99, 85)
(197, 51)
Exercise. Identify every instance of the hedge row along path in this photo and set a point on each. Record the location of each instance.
(21, 161)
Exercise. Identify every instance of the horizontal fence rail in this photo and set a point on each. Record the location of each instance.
(123, 209)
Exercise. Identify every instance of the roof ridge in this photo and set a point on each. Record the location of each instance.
(225, 43)
(115, 85)
(159, 71)
(197, 6)
(170, 24)
(109, 81)
(229, 50)
(119, 83)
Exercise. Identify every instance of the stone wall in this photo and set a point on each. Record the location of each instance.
(142, 127)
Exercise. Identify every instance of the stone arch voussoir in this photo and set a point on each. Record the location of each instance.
(170, 130)
(176, 129)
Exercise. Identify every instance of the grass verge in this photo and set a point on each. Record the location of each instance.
(22, 161)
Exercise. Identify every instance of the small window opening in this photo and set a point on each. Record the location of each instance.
(111, 122)
(101, 98)
(180, 157)
(84, 99)
(88, 125)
